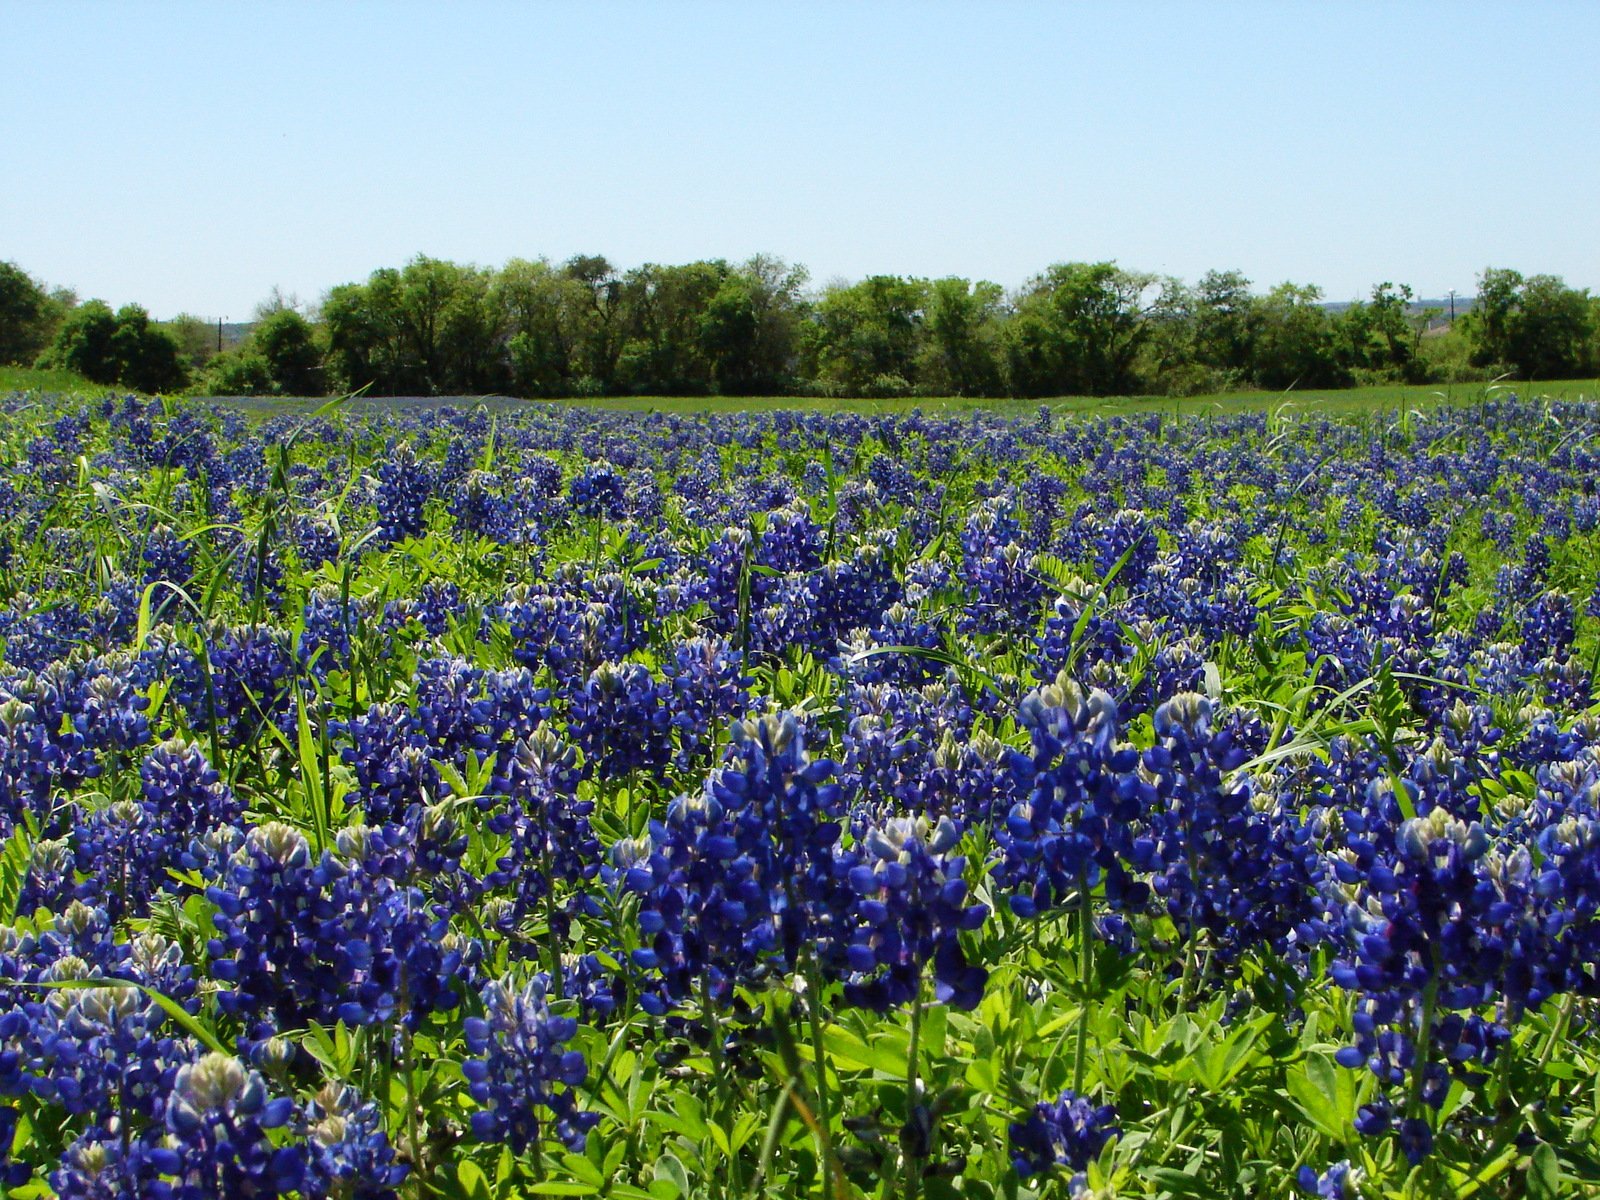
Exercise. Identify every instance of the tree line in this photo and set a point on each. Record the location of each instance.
(584, 328)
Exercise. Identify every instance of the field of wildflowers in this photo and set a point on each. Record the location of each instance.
(438, 802)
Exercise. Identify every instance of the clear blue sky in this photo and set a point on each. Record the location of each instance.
(191, 157)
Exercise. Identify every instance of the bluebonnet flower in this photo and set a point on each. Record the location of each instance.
(1549, 626)
(106, 709)
(328, 626)
(123, 852)
(1129, 534)
(1339, 1182)
(94, 1051)
(708, 688)
(885, 757)
(316, 541)
(33, 763)
(598, 491)
(1006, 591)
(519, 1065)
(1433, 920)
(1072, 636)
(242, 679)
(977, 782)
(219, 1117)
(621, 721)
(549, 839)
(910, 905)
(1076, 828)
(869, 655)
(709, 912)
(390, 758)
(347, 1151)
(570, 634)
(104, 1165)
(333, 938)
(1069, 1132)
(1226, 870)
(35, 635)
(479, 508)
(167, 558)
(114, 617)
(405, 483)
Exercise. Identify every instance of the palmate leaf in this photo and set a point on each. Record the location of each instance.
(15, 858)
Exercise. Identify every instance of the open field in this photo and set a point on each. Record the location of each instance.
(1343, 401)
(1349, 401)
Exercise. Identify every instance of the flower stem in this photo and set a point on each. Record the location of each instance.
(1085, 968)
(1430, 999)
(1558, 1031)
(824, 1104)
(913, 1168)
(719, 1072)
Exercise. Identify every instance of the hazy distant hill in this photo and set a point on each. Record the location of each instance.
(1417, 307)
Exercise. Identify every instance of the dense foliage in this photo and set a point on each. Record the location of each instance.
(585, 328)
(434, 802)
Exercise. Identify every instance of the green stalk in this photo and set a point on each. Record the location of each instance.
(824, 1103)
(1558, 1031)
(913, 1170)
(415, 1142)
(1188, 942)
(553, 946)
(1430, 999)
(1085, 967)
(719, 1074)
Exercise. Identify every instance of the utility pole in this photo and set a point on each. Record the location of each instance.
(219, 330)
(1452, 306)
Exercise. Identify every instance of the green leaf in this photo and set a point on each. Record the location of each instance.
(669, 1171)
(472, 1181)
(845, 1047)
(1314, 1087)
(1179, 1183)
(562, 1187)
(582, 1170)
(1544, 1174)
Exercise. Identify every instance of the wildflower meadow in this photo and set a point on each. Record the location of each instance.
(485, 800)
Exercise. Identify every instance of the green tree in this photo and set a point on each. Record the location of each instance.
(28, 315)
(84, 343)
(663, 312)
(1226, 321)
(1490, 323)
(1297, 343)
(599, 333)
(363, 344)
(443, 323)
(1554, 330)
(1382, 338)
(148, 357)
(237, 372)
(752, 328)
(286, 344)
(1536, 326)
(1078, 328)
(866, 337)
(122, 348)
(961, 336)
(196, 338)
(429, 329)
(537, 307)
